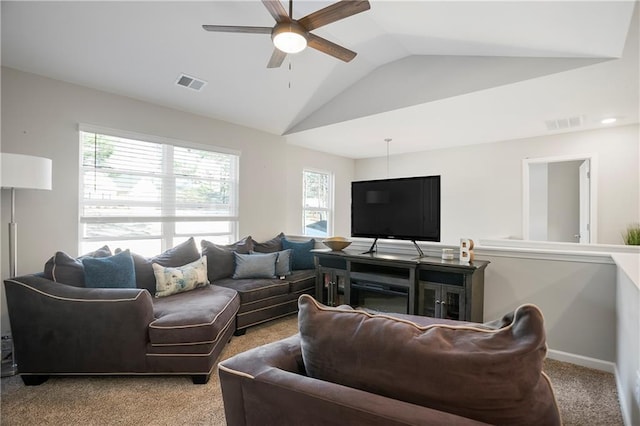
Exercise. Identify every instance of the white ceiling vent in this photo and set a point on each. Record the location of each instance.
(565, 123)
(190, 82)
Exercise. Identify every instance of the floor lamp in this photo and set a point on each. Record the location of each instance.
(21, 172)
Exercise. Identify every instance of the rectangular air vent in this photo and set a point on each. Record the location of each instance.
(565, 123)
(190, 82)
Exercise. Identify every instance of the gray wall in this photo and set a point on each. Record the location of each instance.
(563, 204)
(539, 202)
(577, 298)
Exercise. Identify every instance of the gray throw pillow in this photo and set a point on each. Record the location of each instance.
(271, 246)
(65, 269)
(283, 263)
(255, 265)
(220, 260)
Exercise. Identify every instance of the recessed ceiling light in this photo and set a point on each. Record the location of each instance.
(609, 120)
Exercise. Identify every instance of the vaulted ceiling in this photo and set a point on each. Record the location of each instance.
(428, 74)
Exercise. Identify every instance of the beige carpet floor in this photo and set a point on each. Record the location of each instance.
(585, 396)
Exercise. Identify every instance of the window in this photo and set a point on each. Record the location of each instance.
(317, 209)
(149, 196)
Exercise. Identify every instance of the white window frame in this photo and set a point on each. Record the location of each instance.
(330, 202)
(168, 233)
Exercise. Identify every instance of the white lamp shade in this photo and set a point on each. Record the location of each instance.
(25, 171)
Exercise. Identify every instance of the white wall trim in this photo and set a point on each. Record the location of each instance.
(485, 248)
(584, 361)
(544, 254)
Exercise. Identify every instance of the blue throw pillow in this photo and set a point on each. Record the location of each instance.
(301, 256)
(110, 272)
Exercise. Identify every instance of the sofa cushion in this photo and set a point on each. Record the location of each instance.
(220, 260)
(271, 246)
(193, 317)
(301, 256)
(180, 279)
(179, 255)
(252, 289)
(255, 265)
(65, 269)
(115, 271)
(491, 373)
(302, 280)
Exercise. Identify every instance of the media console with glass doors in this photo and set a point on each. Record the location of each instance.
(427, 286)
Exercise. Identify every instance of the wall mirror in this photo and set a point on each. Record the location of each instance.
(559, 199)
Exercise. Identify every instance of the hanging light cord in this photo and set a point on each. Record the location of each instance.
(387, 140)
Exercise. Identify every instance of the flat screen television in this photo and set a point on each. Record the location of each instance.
(405, 208)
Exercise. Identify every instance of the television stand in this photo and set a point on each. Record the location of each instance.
(387, 282)
(373, 248)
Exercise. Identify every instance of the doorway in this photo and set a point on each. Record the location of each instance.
(559, 199)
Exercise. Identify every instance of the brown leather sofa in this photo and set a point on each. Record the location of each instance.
(353, 367)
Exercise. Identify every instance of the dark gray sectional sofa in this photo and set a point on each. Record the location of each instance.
(261, 299)
(61, 327)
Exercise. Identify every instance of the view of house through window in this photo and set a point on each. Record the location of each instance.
(149, 196)
(317, 198)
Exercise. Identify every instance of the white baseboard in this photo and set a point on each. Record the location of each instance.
(624, 406)
(583, 361)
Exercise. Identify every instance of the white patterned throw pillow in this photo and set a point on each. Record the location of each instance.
(182, 278)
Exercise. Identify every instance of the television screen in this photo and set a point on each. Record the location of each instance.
(406, 208)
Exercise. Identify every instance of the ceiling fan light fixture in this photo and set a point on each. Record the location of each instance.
(289, 37)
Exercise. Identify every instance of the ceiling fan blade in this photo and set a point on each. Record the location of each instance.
(237, 29)
(277, 57)
(334, 12)
(276, 10)
(330, 48)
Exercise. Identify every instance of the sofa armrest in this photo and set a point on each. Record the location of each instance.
(59, 328)
(267, 385)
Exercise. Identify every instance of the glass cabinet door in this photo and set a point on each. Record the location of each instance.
(339, 280)
(452, 303)
(333, 282)
(441, 301)
(429, 300)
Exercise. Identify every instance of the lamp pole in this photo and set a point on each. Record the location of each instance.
(13, 237)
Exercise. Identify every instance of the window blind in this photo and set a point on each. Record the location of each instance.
(134, 188)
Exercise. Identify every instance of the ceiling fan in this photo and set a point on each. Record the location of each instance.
(294, 35)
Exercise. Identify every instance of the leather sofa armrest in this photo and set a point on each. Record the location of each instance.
(267, 385)
(59, 328)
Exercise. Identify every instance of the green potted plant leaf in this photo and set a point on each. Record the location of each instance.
(632, 235)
